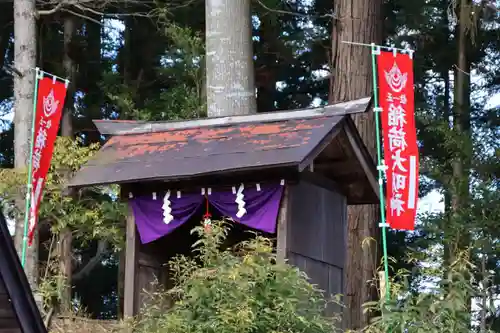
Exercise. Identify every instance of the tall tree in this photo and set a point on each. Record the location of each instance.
(357, 21)
(462, 114)
(24, 86)
(229, 58)
(65, 235)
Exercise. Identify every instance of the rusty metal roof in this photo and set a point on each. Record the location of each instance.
(121, 127)
(199, 151)
(146, 151)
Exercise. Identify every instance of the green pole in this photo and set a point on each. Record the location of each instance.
(383, 223)
(29, 183)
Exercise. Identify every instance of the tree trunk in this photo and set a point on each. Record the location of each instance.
(94, 97)
(267, 63)
(462, 126)
(461, 117)
(6, 33)
(24, 86)
(65, 235)
(229, 58)
(357, 21)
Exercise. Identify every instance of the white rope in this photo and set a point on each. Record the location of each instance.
(240, 200)
(167, 209)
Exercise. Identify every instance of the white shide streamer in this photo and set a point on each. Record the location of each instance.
(241, 202)
(167, 210)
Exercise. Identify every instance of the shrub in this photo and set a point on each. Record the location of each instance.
(235, 290)
(441, 305)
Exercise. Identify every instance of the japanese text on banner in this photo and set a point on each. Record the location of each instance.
(50, 102)
(396, 93)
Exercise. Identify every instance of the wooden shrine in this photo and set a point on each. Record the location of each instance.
(306, 166)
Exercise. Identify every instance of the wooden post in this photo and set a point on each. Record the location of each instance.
(282, 246)
(131, 250)
(382, 284)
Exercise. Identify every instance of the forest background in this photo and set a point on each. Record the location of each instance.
(145, 60)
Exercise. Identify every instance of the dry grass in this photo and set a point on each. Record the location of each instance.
(84, 325)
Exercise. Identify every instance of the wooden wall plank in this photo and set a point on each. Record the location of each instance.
(131, 258)
(327, 277)
(6, 310)
(318, 233)
(9, 323)
(282, 245)
(318, 224)
(148, 274)
(8, 320)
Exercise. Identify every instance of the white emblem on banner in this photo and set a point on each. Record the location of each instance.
(240, 200)
(50, 104)
(395, 79)
(167, 209)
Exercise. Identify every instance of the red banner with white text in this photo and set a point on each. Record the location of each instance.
(50, 102)
(396, 95)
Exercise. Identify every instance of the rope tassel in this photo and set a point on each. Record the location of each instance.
(207, 217)
(240, 200)
(167, 209)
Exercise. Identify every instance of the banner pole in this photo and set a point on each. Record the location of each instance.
(29, 183)
(380, 167)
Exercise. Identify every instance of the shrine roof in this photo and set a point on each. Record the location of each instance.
(18, 309)
(148, 151)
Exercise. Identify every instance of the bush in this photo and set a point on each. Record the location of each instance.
(235, 291)
(443, 306)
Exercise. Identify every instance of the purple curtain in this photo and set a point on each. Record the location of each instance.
(149, 214)
(261, 207)
(254, 206)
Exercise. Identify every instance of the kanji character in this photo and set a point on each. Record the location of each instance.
(396, 115)
(402, 99)
(396, 204)
(397, 138)
(398, 161)
(41, 139)
(37, 156)
(398, 181)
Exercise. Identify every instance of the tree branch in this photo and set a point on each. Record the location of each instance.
(102, 247)
(96, 7)
(85, 17)
(50, 11)
(286, 12)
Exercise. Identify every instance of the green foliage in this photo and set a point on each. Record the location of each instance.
(52, 282)
(182, 73)
(90, 214)
(154, 70)
(443, 307)
(223, 291)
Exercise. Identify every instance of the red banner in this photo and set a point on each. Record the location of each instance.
(50, 102)
(396, 94)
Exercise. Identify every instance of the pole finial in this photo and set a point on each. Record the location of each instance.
(38, 73)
